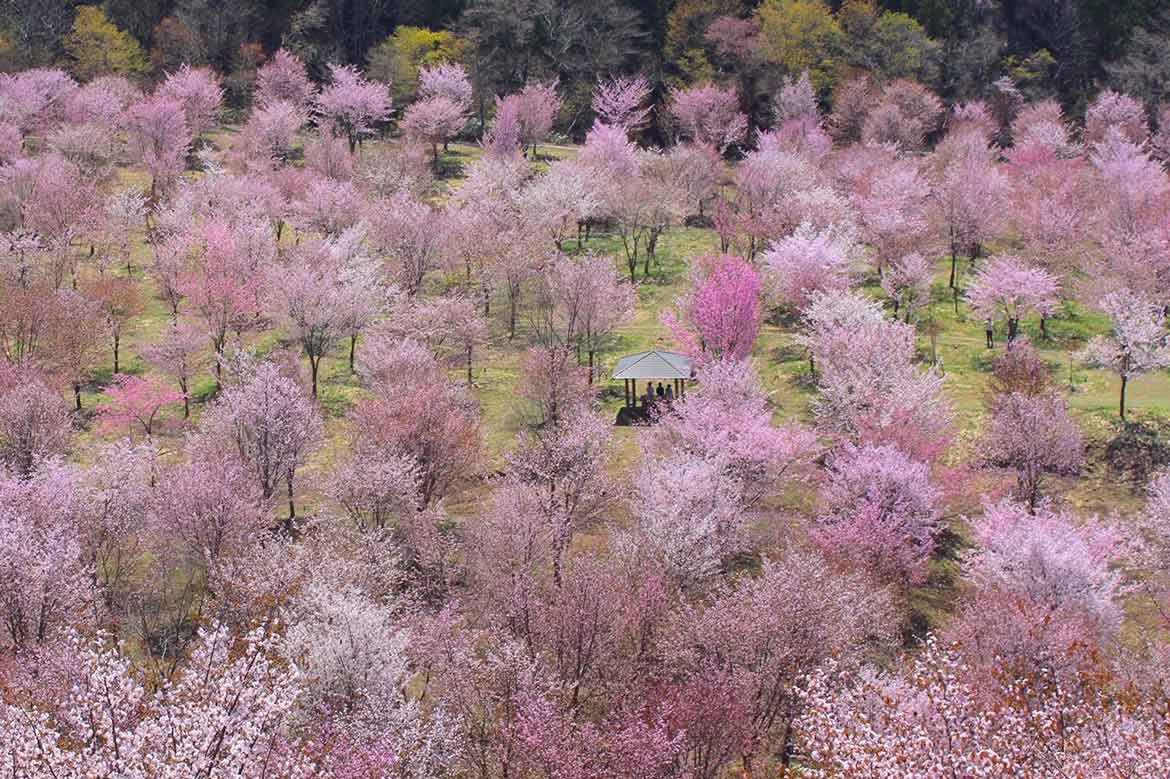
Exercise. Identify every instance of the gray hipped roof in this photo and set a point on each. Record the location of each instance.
(654, 365)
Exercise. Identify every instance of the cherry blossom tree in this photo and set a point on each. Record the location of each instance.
(376, 487)
(329, 157)
(890, 197)
(237, 699)
(179, 354)
(434, 120)
(796, 100)
(447, 79)
(223, 280)
(1041, 135)
(1020, 369)
(449, 325)
(439, 428)
(539, 106)
(314, 297)
(211, 508)
(695, 170)
(935, 716)
(1113, 110)
(267, 138)
(351, 105)
(1155, 525)
(721, 316)
(619, 101)
(880, 512)
(112, 527)
(728, 420)
(197, 91)
(907, 281)
(558, 202)
(403, 231)
(77, 340)
(136, 402)
(1005, 285)
(1034, 436)
(35, 100)
(906, 112)
(327, 206)
(564, 460)
(691, 518)
(34, 420)
(503, 138)
(552, 385)
(284, 79)
(1047, 590)
(581, 301)
(1137, 344)
(757, 639)
(968, 201)
(710, 115)
(121, 301)
(807, 263)
(45, 587)
(870, 390)
(269, 423)
(160, 137)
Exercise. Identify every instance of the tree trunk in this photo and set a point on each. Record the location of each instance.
(591, 353)
(352, 349)
(292, 507)
(1044, 326)
(77, 396)
(954, 266)
(116, 340)
(186, 400)
(1120, 409)
(511, 315)
(314, 363)
(469, 366)
(1013, 329)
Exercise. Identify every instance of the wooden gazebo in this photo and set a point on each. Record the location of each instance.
(651, 366)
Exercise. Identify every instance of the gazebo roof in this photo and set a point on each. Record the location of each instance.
(654, 365)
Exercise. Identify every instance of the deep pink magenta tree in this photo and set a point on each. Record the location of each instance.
(720, 318)
(136, 402)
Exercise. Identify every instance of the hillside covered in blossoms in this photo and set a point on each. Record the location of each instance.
(525, 390)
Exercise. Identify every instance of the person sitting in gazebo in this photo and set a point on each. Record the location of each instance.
(649, 401)
(669, 394)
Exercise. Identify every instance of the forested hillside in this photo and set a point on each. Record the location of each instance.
(531, 390)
